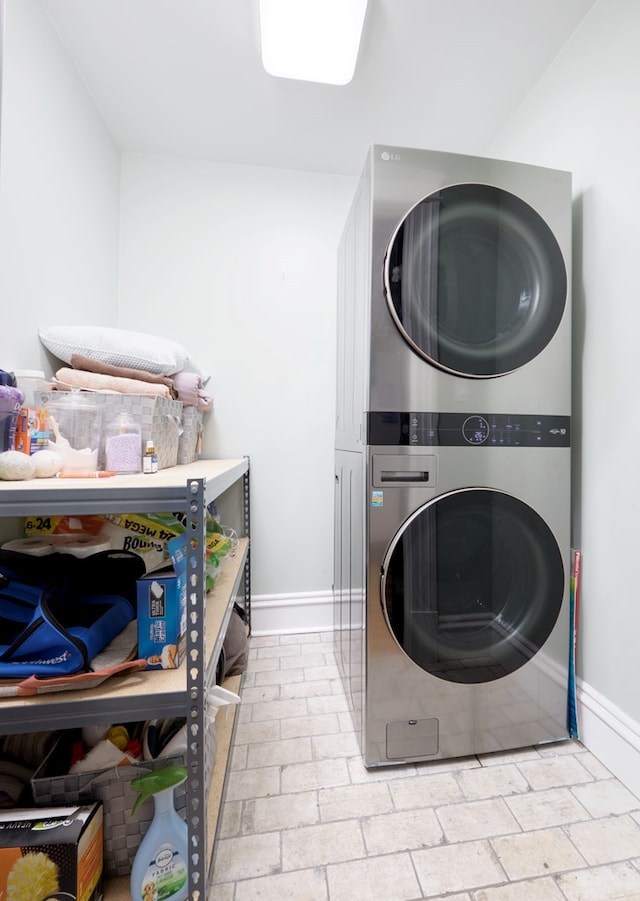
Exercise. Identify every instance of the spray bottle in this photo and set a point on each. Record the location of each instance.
(160, 867)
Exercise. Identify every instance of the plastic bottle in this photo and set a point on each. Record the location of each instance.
(150, 459)
(161, 862)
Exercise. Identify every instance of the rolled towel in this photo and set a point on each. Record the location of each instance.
(191, 391)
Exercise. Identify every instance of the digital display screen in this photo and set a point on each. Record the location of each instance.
(475, 430)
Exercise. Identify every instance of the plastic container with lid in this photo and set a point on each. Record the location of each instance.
(123, 444)
(75, 430)
(32, 430)
(32, 383)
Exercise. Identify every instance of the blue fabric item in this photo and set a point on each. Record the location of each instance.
(55, 627)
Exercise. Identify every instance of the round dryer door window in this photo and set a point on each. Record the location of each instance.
(475, 280)
(472, 585)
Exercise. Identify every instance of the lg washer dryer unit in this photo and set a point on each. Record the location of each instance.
(453, 455)
(467, 615)
(469, 284)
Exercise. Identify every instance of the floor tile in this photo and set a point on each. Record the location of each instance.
(319, 724)
(491, 782)
(312, 846)
(302, 885)
(253, 783)
(463, 897)
(560, 748)
(388, 877)
(276, 677)
(329, 703)
(536, 853)
(265, 664)
(295, 661)
(318, 774)
(349, 801)
(456, 868)
(360, 773)
(304, 689)
(280, 812)
(597, 769)
(247, 856)
(274, 753)
(615, 881)
(542, 809)
(224, 892)
(425, 791)
(279, 651)
(278, 710)
(230, 819)
(260, 694)
(606, 840)
(552, 772)
(477, 819)
(403, 831)
(606, 797)
(501, 757)
(250, 733)
(342, 744)
(543, 889)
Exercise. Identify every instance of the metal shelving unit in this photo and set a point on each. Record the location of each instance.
(187, 489)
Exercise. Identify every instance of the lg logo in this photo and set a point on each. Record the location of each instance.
(386, 156)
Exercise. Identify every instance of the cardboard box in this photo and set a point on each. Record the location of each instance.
(51, 852)
(162, 617)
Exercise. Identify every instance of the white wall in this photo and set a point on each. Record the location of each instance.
(238, 263)
(584, 116)
(59, 193)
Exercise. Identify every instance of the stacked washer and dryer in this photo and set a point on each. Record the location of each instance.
(452, 503)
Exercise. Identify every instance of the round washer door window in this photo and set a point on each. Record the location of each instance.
(472, 585)
(475, 280)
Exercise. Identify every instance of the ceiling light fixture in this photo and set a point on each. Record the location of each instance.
(311, 40)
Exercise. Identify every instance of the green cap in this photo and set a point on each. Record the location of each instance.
(151, 783)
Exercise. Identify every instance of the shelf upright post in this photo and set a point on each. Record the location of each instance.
(196, 702)
(247, 531)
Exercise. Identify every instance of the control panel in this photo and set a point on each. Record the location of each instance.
(467, 429)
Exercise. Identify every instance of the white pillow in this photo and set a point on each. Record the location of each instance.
(119, 347)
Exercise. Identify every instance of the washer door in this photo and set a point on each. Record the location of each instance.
(475, 280)
(472, 585)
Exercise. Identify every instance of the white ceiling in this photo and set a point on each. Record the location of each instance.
(184, 77)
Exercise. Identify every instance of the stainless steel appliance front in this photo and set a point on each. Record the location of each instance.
(466, 601)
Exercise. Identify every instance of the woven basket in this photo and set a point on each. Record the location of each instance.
(190, 441)
(122, 832)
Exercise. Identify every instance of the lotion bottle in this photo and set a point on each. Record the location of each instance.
(161, 862)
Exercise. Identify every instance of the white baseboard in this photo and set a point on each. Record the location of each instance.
(285, 614)
(610, 735)
(605, 730)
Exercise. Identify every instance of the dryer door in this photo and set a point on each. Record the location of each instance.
(475, 280)
(472, 585)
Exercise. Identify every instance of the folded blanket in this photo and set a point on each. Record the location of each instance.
(95, 381)
(190, 390)
(80, 361)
